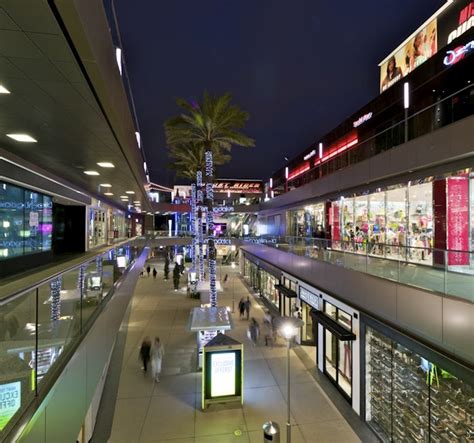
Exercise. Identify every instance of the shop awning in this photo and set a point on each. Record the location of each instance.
(285, 291)
(332, 326)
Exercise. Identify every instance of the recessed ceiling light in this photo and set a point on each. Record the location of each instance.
(108, 193)
(4, 90)
(106, 185)
(91, 173)
(129, 192)
(137, 201)
(106, 165)
(25, 138)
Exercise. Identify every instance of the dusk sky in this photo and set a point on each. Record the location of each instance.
(298, 67)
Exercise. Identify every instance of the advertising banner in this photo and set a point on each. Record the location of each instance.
(451, 21)
(223, 374)
(10, 401)
(422, 45)
(458, 220)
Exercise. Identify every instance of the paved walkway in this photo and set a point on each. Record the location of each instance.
(135, 409)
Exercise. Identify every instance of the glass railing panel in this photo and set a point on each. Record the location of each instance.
(17, 358)
(107, 274)
(93, 288)
(460, 275)
(59, 319)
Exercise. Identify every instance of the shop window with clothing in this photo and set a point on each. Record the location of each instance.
(420, 223)
(410, 399)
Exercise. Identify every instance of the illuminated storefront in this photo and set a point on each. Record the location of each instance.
(26, 223)
(409, 395)
(307, 222)
(395, 223)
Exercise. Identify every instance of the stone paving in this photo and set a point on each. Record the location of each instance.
(170, 411)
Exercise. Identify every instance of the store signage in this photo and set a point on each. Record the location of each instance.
(222, 241)
(457, 54)
(238, 186)
(311, 154)
(458, 220)
(34, 219)
(10, 402)
(309, 298)
(223, 376)
(222, 209)
(362, 119)
(466, 22)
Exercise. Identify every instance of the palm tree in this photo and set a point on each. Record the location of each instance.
(190, 158)
(213, 125)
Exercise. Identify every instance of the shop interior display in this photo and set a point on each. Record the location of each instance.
(409, 399)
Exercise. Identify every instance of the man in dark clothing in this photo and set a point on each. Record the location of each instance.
(145, 352)
(148, 269)
(154, 273)
(247, 307)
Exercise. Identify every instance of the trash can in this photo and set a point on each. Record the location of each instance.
(271, 432)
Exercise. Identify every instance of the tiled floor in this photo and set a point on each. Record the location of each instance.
(170, 411)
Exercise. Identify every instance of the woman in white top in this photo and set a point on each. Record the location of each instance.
(157, 353)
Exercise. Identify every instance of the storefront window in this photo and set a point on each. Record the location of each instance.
(420, 223)
(330, 310)
(376, 235)
(347, 224)
(410, 398)
(338, 353)
(361, 222)
(97, 227)
(397, 222)
(25, 221)
(267, 288)
(345, 366)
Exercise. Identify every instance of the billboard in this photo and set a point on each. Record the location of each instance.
(451, 21)
(420, 47)
(10, 401)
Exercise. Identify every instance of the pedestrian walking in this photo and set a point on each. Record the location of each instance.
(253, 331)
(247, 307)
(148, 269)
(241, 308)
(268, 329)
(145, 349)
(155, 273)
(225, 278)
(157, 353)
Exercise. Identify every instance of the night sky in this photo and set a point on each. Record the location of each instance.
(298, 67)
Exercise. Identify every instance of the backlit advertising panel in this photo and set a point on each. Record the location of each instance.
(458, 220)
(223, 377)
(451, 21)
(420, 47)
(10, 402)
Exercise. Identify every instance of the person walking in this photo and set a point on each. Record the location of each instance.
(155, 273)
(145, 349)
(148, 269)
(241, 308)
(157, 353)
(253, 331)
(247, 305)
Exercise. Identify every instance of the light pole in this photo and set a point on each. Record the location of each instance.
(288, 327)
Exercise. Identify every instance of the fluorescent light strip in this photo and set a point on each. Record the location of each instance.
(4, 90)
(23, 138)
(106, 165)
(91, 173)
(106, 185)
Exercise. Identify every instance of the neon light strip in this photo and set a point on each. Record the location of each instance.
(336, 151)
(299, 172)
